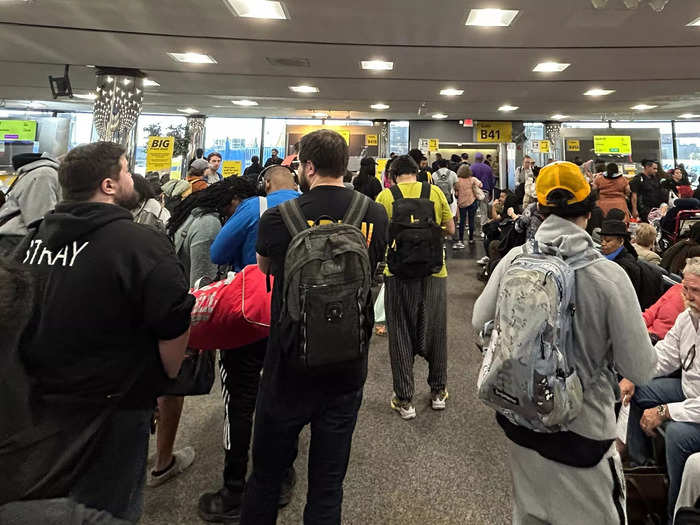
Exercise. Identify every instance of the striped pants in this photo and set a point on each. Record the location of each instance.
(416, 319)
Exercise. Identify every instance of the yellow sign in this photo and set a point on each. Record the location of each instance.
(381, 164)
(159, 154)
(371, 140)
(231, 168)
(433, 144)
(544, 146)
(494, 131)
(573, 145)
(612, 144)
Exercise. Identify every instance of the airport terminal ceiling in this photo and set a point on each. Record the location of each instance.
(645, 57)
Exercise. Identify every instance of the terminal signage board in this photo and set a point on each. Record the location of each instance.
(231, 168)
(371, 140)
(159, 154)
(612, 144)
(540, 146)
(494, 131)
(433, 144)
(18, 130)
(573, 145)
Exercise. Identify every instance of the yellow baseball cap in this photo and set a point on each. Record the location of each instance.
(561, 176)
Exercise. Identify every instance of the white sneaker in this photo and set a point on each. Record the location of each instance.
(405, 409)
(483, 261)
(438, 399)
(459, 245)
(182, 460)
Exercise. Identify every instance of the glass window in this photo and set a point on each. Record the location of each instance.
(534, 131)
(81, 129)
(275, 138)
(147, 126)
(588, 125)
(398, 137)
(233, 138)
(688, 145)
(666, 138)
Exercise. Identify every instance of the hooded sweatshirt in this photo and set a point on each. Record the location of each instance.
(610, 335)
(107, 291)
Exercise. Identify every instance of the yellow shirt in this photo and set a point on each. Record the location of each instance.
(411, 190)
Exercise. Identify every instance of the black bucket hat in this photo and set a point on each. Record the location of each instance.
(615, 228)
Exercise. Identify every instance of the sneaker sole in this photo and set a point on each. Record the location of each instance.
(439, 405)
(404, 416)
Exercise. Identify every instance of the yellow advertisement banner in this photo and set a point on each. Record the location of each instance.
(433, 144)
(381, 164)
(573, 145)
(612, 144)
(371, 140)
(159, 154)
(493, 131)
(231, 168)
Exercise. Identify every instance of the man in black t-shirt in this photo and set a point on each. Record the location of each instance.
(290, 398)
(647, 192)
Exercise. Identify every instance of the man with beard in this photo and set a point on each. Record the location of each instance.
(110, 322)
(670, 401)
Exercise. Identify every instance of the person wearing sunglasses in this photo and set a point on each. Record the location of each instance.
(670, 402)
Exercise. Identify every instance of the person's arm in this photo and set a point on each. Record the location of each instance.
(172, 352)
(263, 263)
(628, 190)
(446, 219)
(228, 244)
(200, 248)
(668, 349)
(633, 197)
(649, 315)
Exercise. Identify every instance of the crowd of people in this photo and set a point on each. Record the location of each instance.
(106, 266)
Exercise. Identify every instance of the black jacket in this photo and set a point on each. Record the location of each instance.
(252, 171)
(647, 283)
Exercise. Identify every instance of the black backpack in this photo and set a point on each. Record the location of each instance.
(415, 239)
(327, 310)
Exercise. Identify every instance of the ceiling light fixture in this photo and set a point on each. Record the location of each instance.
(559, 117)
(439, 116)
(304, 89)
(269, 10)
(245, 102)
(377, 65)
(491, 17)
(508, 107)
(147, 82)
(85, 96)
(658, 5)
(189, 111)
(596, 92)
(380, 106)
(451, 92)
(550, 67)
(319, 114)
(192, 58)
(695, 23)
(599, 4)
(688, 115)
(643, 107)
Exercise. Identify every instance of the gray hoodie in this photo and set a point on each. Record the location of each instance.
(608, 327)
(193, 242)
(35, 194)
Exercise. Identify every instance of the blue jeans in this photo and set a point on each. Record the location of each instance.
(682, 439)
(463, 212)
(332, 420)
(117, 472)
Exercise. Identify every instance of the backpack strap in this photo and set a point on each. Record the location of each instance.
(425, 190)
(293, 217)
(357, 209)
(396, 192)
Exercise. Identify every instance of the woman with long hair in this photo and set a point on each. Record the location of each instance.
(366, 181)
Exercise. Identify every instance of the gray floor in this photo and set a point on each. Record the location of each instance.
(440, 468)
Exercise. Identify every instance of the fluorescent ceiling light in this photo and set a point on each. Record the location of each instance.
(85, 96)
(508, 107)
(550, 67)
(695, 23)
(379, 106)
(192, 58)
(377, 65)
(304, 89)
(439, 115)
(189, 111)
(451, 92)
(270, 10)
(598, 92)
(643, 107)
(147, 82)
(688, 115)
(491, 17)
(245, 102)
(559, 117)
(319, 114)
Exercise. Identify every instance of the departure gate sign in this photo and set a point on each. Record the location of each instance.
(494, 131)
(18, 130)
(612, 144)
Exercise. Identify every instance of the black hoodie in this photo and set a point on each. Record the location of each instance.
(107, 290)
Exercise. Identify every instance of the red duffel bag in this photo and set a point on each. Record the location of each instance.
(231, 313)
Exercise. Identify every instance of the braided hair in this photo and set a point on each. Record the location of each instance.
(213, 199)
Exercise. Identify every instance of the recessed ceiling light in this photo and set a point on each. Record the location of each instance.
(491, 17)
(451, 92)
(508, 107)
(688, 115)
(192, 58)
(695, 23)
(245, 102)
(379, 106)
(304, 89)
(559, 117)
(550, 67)
(377, 65)
(270, 10)
(85, 96)
(91, 66)
(439, 115)
(189, 111)
(147, 82)
(598, 92)
(643, 107)
(319, 114)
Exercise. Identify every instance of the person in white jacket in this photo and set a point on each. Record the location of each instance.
(669, 401)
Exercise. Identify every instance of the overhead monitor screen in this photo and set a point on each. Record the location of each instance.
(18, 130)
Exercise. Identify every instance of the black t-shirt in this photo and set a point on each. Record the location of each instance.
(286, 383)
(108, 291)
(371, 188)
(649, 192)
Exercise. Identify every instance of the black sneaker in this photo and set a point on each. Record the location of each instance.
(221, 506)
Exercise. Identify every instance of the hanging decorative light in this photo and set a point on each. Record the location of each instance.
(118, 104)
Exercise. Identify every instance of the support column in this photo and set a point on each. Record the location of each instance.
(552, 133)
(383, 139)
(195, 133)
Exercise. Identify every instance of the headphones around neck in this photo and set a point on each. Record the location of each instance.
(260, 184)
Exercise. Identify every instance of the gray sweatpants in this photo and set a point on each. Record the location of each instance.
(416, 320)
(547, 492)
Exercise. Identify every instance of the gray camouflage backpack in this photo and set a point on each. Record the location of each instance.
(327, 311)
(527, 373)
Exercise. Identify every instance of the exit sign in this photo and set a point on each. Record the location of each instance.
(467, 123)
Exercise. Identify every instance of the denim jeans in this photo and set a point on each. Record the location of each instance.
(117, 472)
(463, 212)
(682, 439)
(332, 420)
